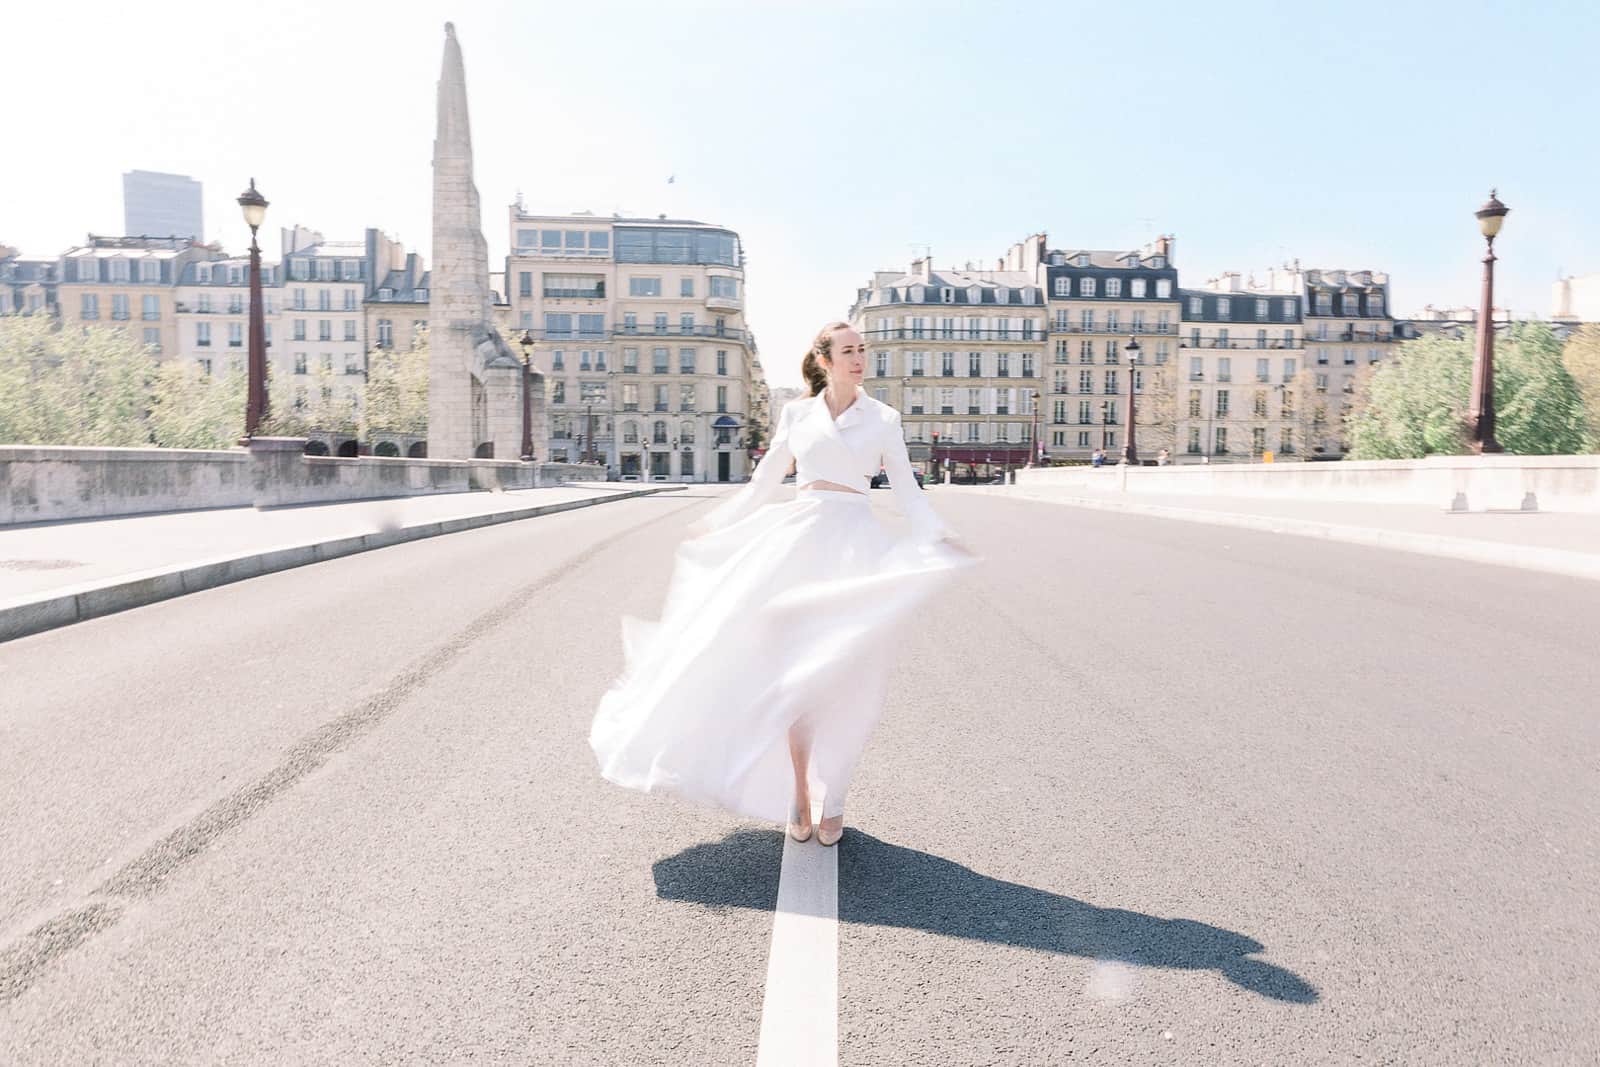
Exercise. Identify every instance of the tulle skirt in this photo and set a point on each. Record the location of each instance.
(791, 616)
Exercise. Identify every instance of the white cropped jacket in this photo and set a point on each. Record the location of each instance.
(848, 450)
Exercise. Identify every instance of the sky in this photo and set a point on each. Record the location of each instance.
(843, 138)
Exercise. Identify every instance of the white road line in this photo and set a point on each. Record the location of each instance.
(800, 1013)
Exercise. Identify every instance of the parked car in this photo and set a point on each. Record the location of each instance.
(881, 479)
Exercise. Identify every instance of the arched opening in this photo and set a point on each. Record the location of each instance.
(387, 448)
(349, 449)
(484, 451)
(316, 448)
(418, 450)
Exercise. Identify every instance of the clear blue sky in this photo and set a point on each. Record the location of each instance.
(838, 138)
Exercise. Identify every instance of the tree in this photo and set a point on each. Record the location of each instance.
(1418, 404)
(397, 390)
(1582, 359)
(90, 386)
(1155, 414)
(192, 409)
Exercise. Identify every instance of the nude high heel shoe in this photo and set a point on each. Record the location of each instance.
(826, 836)
(794, 829)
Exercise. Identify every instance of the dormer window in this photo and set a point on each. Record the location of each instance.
(917, 293)
(947, 295)
(1157, 262)
(203, 275)
(1083, 259)
(422, 296)
(385, 293)
(1002, 295)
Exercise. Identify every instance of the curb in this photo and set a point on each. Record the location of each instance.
(31, 615)
(1547, 560)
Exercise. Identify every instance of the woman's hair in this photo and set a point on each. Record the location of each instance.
(811, 367)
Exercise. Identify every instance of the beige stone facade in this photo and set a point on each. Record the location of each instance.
(638, 326)
(960, 353)
(130, 283)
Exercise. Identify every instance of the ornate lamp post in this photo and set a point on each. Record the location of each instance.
(1034, 448)
(938, 471)
(257, 407)
(526, 342)
(1130, 453)
(1490, 216)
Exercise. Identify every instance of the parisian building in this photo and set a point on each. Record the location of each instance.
(213, 312)
(130, 283)
(1242, 355)
(960, 353)
(27, 286)
(1100, 299)
(638, 326)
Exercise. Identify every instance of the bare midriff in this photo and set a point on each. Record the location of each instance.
(831, 486)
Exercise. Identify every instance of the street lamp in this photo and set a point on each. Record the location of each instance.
(1130, 453)
(1490, 217)
(938, 471)
(257, 407)
(526, 342)
(1033, 436)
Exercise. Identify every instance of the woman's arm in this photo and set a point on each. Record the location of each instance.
(763, 485)
(925, 522)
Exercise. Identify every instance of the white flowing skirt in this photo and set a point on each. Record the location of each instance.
(790, 616)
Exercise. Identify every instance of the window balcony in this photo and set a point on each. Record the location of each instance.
(724, 303)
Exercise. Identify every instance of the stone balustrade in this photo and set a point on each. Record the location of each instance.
(40, 484)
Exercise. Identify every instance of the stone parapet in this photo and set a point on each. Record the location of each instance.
(1461, 483)
(53, 484)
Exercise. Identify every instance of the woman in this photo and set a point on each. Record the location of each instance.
(759, 686)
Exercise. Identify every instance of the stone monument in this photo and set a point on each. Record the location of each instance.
(475, 381)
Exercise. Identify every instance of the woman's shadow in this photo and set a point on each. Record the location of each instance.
(886, 885)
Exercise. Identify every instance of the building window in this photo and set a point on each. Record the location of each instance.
(1286, 309)
(119, 270)
(722, 398)
(1163, 288)
(1224, 308)
(557, 325)
(1196, 307)
(1194, 403)
(1002, 364)
(202, 334)
(352, 363)
(350, 300)
(644, 286)
(1111, 382)
(385, 333)
(880, 367)
(592, 327)
(726, 288)
(1085, 351)
(686, 400)
(1288, 370)
(1194, 440)
(349, 330)
(324, 329)
(1063, 286)
(300, 363)
(1197, 368)
(660, 358)
(661, 398)
(918, 363)
(152, 338)
(1222, 440)
(150, 308)
(1263, 309)
(1222, 403)
(1138, 288)
(1113, 288)
(119, 307)
(1225, 369)
(661, 322)
(1085, 286)
(974, 364)
(686, 360)
(235, 334)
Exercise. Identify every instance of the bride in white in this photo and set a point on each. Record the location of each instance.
(761, 683)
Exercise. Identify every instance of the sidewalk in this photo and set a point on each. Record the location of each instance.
(55, 573)
(1565, 543)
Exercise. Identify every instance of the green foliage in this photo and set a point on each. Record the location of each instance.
(1539, 409)
(86, 387)
(397, 390)
(192, 409)
(1417, 405)
(1581, 356)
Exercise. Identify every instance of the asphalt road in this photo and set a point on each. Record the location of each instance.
(1146, 792)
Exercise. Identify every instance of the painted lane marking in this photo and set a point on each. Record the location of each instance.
(800, 1012)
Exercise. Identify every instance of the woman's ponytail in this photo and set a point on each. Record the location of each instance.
(812, 368)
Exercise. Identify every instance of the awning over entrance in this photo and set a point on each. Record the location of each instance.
(725, 422)
(1016, 455)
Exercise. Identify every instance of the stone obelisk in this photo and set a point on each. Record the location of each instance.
(474, 381)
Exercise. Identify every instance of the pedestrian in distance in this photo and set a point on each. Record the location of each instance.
(759, 686)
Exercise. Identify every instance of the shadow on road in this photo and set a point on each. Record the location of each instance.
(887, 885)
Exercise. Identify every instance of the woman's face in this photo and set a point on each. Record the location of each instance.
(849, 359)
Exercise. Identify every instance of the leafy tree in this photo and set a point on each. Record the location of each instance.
(1418, 404)
(1582, 359)
(397, 389)
(192, 409)
(90, 386)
